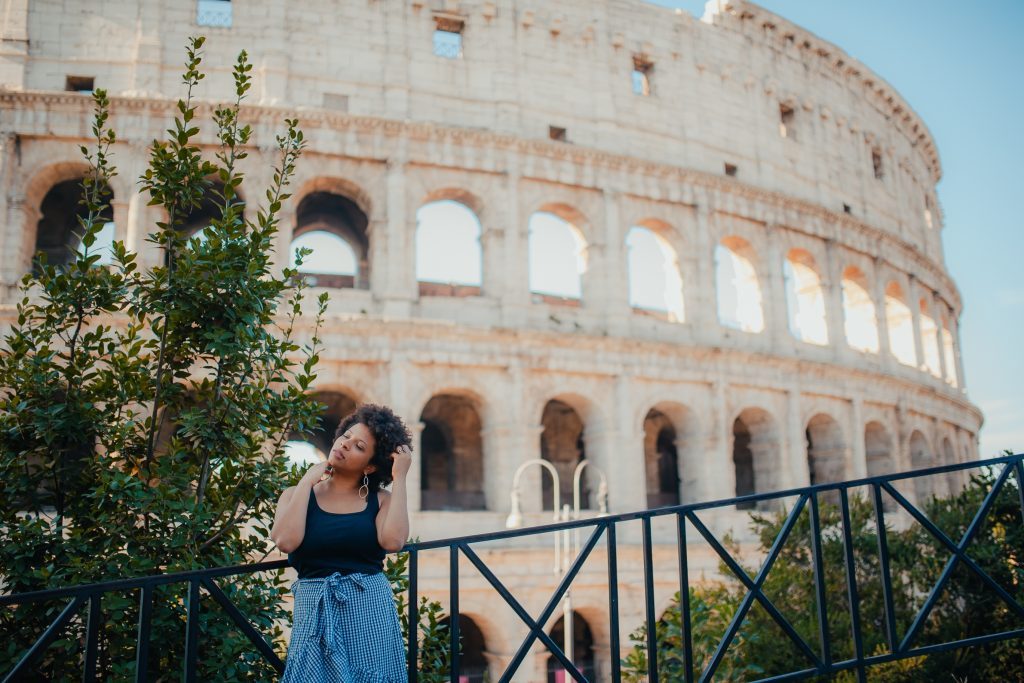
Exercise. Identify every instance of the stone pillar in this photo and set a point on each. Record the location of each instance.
(878, 294)
(833, 291)
(915, 313)
(627, 481)
(774, 297)
(794, 462)
(504, 444)
(492, 276)
(858, 465)
(615, 268)
(719, 470)
(938, 313)
(147, 60)
(699, 293)
(394, 278)
(954, 325)
(515, 267)
(399, 369)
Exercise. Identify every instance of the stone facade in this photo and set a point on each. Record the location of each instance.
(755, 135)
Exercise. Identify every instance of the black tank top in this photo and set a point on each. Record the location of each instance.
(339, 542)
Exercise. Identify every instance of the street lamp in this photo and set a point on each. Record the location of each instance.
(565, 542)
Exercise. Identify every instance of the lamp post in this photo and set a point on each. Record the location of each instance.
(565, 542)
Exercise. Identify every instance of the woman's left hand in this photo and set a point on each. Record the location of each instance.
(401, 461)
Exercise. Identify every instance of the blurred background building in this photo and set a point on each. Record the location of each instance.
(704, 255)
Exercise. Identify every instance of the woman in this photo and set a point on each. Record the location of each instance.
(336, 526)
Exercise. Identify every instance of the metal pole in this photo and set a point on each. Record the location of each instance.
(567, 632)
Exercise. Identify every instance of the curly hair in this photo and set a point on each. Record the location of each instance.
(389, 432)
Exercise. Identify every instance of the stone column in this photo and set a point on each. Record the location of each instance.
(882, 321)
(795, 471)
(504, 444)
(774, 296)
(833, 291)
(858, 465)
(394, 278)
(954, 325)
(515, 267)
(615, 269)
(398, 399)
(493, 276)
(719, 470)
(699, 293)
(938, 313)
(915, 313)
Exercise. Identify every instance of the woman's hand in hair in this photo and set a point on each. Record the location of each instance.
(401, 461)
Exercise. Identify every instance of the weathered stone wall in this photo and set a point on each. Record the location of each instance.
(416, 128)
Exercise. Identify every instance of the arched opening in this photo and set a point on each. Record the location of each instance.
(901, 325)
(59, 232)
(198, 218)
(737, 286)
(755, 454)
(826, 450)
(311, 447)
(582, 650)
(805, 299)
(558, 259)
(449, 257)
(451, 455)
(920, 458)
(859, 318)
(472, 661)
(929, 340)
(334, 227)
(561, 444)
(949, 353)
(654, 281)
(661, 459)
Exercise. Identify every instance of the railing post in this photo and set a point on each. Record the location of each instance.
(92, 636)
(453, 617)
(851, 585)
(142, 639)
(414, 616)
(192, 632)
(652, 625)
(613, 600)
(883, 563)
(684, 594)
(819, 583)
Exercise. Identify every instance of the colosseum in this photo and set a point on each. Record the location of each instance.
(703, 254)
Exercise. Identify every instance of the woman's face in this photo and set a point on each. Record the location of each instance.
(353, 450)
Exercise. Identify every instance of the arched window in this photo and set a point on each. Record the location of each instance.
(561, 444)
(558, 258)
(59, 233)
(901, 325)
(805, 300)
(737, 285)
(654, 280)
(331, 255)
(826, 450)
(949, 352)
(859, 319)
(755, 453)
(661, 457)
(929, 340)
(472, 662)
(311, 447)
(582, 650)
(451, 455)
(334, 227)
(449, 257)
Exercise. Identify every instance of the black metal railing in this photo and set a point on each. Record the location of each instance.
(820, 660)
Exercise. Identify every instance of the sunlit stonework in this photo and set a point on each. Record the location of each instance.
(704, 254)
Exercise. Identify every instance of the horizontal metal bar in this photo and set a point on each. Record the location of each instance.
(140, 582)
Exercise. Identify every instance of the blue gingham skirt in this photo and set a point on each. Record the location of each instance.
(345, 630)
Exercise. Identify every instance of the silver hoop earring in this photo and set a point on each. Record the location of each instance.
(364, 490)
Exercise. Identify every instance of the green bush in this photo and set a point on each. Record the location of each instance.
(968, 607)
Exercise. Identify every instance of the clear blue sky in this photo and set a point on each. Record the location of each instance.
(960, 66)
